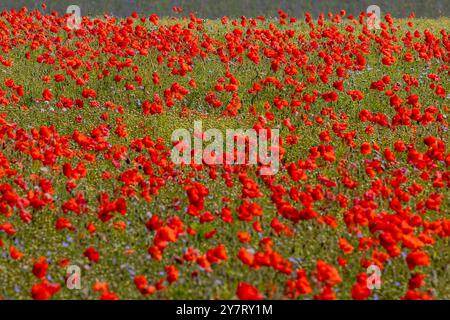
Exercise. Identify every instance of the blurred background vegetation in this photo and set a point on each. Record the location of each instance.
(237, 8)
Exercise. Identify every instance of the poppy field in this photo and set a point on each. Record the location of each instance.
(88, 182)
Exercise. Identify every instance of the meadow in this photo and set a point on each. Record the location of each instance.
(87, 180)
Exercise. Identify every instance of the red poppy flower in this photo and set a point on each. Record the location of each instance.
(92, 254)
(246, 291)
(417, 258)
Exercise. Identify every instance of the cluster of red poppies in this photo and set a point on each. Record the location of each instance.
(365, 159)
